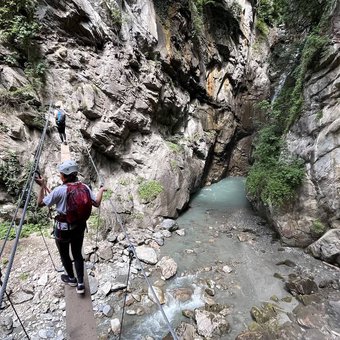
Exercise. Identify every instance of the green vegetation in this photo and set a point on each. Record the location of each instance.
(12, 177)
(18, 31)
(94, 220)
(197, 15)
(24, 276)
(273, 178)
(175, 148)
(138, 216)
(297, 15)
(318, 228)
(289, 105)
(267, 15)
(107, 194)
(3, 127)
(319, 115)
(124, 181)
(115, 12)
(18, 25)
(200, 4)
(16, 97)
(149, 190)
(10, 174)
(27, 230)
(301, 14)
(173, 164)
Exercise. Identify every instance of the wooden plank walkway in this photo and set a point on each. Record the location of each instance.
(80, 322)
(64, 153)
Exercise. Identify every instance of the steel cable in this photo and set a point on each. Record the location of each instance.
(21, 223)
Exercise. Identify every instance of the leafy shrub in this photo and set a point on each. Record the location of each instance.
(18, 25)
(276, 183)
(10, 174)
(27, 230)
(107, 194)
(149, 190)
(18, 31)
(115, 12)
(15, 98)
(273, 179)
(318, 228)
(174, 147)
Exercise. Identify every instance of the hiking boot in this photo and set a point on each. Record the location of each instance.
(70, 281)
(80, 288)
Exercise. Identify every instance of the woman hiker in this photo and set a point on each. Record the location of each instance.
(60, 120)
(73, 201)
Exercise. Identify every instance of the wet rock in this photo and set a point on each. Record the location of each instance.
(279, 276)
(159, 293)
(287, 263)
(310, 316)
(227, 269)
(210, 324)
(169, 224)
(263, 314)
(210, 291)
(188, 313)
(215, 308)
(301, 286)
(115, 326)
(287, 299)
(168, 267)
(309, 299)
(246, 236)
(147, 254)
(166, 233)
(180, 232)
(250, 335)
(186, 331)
(183, 294)
(274, 298)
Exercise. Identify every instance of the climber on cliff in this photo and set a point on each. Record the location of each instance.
(60, 119)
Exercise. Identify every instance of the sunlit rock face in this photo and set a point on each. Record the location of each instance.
(151, 93)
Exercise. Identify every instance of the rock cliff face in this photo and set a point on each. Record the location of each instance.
(158, 91)
(148, 87)
(314, 137)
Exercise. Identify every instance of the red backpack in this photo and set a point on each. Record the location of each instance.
(78, 203)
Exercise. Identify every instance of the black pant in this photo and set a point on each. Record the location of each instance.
(75, 240)
(61, 130)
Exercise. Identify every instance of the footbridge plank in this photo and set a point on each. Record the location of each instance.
(80, 322)
(64, 152)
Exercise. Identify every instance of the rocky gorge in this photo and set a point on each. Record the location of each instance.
(164, 96)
